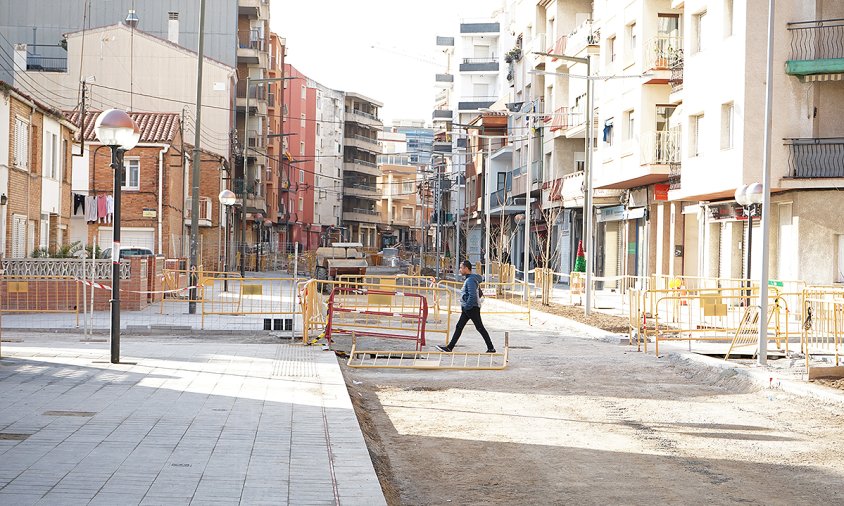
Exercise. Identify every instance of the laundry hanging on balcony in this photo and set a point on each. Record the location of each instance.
(95, 209)
(607, 129)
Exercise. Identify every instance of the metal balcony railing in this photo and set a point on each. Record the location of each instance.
(660, 148)
(370, 212)
(817, 40)
(362, 162)
(362, 113)
(46, 58)
(662, 50)
(674, 176)
(204, 208)
(363, 138)
(251, 39)
(582, 36)
(816, 157)
(479, 60)
(676, 79)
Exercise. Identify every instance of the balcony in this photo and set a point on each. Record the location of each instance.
(468, 27)
(475, 103)
(395, 161)
(362, 190)
(255, 140)
(676, 79)
(45, 58)
(205, 216)
(537, 45)
(445, 41)
(662, 51)
(257, 98)
(584, 37)
(815, 158)
(481, 65)
(255, 9)
(571, 122)
(559, 47)
(362, 142)
(442, 147)
(442, 114)
(660, 148)
(817, 48)
(363, 118)
(252, 48)
(444, 80)
(572, 192)
(361, 166)
(362, 215)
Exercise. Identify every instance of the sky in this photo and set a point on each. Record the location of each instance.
(383, 49)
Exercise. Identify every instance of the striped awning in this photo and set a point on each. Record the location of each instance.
(822, 78)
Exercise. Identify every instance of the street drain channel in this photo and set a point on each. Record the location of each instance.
(69, 413)
(9, 436)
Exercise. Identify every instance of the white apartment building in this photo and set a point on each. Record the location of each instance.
(722, 124)
(328, 180)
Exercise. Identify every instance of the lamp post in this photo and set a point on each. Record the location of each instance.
(227, 198)
(115, 129)
(749, 197)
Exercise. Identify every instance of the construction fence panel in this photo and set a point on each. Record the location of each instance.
(376, 313)
(823, 324)
(313, 298)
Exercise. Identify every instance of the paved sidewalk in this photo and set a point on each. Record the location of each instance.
(192, 422)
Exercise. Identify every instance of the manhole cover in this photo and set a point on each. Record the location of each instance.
(8, 436)
(179, 465)
(69, 413)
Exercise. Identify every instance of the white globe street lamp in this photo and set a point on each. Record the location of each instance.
(115, 129)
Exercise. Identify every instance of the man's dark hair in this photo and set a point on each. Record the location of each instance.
(467, 264)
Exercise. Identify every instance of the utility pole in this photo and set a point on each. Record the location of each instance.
(437, 212)
(194, 203)
(528, 187)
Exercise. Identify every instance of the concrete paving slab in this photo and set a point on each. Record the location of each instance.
(187, 422)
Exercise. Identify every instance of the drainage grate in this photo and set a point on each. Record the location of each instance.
(69, 413)
(9, 436)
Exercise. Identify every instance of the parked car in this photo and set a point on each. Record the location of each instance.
(128, 252)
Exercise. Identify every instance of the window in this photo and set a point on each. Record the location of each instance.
(317, 128)
(301, 204)
(302, 121)
(18, 236)
(301, 176)
(304, 92)
(302, 148)
(629, 125)
(608, 131)
(630, 36)
(131, 174)
(50, 155)
(44, 236)
(21, 159)
(502, 181)
(727, 122)
(406, 213)
(699, 32)
(611, 49)
(408, 188)
(728, 18)
(63, 161)
(696, 135)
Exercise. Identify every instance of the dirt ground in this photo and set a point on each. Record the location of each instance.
(580, 421)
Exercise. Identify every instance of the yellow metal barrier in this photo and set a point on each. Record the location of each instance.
(313, 295)
(512, 293)
(403, 359)
(707, 315)
(823, 323)
(267, 297)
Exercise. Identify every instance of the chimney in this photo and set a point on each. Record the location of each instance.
(131, 19)
(173, 28)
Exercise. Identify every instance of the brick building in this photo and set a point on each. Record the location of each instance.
(155, 196)
(35, 198)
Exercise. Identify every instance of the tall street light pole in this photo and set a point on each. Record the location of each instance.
(762, 355)
(587, 171)
(116, 130)
(195, 174)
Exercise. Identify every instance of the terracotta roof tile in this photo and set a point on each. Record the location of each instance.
(154, 126)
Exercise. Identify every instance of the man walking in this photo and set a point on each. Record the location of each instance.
(471, 308)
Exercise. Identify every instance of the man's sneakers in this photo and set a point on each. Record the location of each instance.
(491, 350)
(443, 349)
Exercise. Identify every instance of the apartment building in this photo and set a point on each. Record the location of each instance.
(252, 117)
(35, 154)
(360, 169)
(277, 174)
(42, 24)
(722, 123)
(637, 144)
(328, 180)
(115, 61)
(399, 206)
